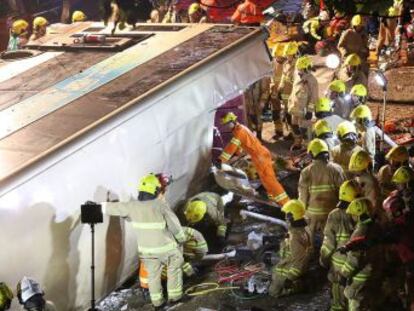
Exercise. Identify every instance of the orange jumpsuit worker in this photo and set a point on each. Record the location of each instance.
(245, 140)
(249, 13)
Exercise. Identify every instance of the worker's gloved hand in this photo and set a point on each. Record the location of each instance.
(308, 115)
(343, 281)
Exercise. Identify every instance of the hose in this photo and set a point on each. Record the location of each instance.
(206, 288)
(258, 216)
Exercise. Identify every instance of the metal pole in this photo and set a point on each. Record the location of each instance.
(93, 268)
(384, 103)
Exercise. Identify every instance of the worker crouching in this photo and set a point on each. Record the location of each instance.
(39, 28)
(159, 235)
(295, 252)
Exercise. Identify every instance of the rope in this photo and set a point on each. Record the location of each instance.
(206, 288)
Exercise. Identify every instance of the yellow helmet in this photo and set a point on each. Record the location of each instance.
(6, 296)
(149, 183)
(360, 160)
(348, 191)
(359, 90)
(356, 21)
(323, 104)
(392, 12)
(195, 211)
(316, 147)
(359, 207)
(353, 60)
(397, 154)
(193, 8)
(295, 207)
(345, 128)
(40, 21)
(20, 26)
(228, 117)
(277, 50)
(337, 86)
(321, 127)
(291, 48)
(304, 63)
(78, 16)
(361, 112)
(403, 175)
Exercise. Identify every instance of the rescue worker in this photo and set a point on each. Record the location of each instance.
(324, 111)
(323, 131)
(256, 98)
(78, 16)
(318, 186)
(358, 94)
(194, 248)
(244, 139)
(362, 265)
(159, 234)
(341, 154)
(342, 106)
(205, 212)
(387, 31)
(18, 35)
(31, 296)
(355, 41)
(295, 252)
(196, 14)
(285, 86)
(315, 28)
(338, 229)
(276, 96)
(6, 297)
(360, 165)
(39, 28)
(248, 13)
(366, 129)
(351, 72)
(397, 156)
(300, 105)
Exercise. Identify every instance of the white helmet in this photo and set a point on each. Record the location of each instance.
(324, 16)
(27, 288)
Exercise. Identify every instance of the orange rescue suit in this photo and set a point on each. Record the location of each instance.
(244, 140)
(248, 13)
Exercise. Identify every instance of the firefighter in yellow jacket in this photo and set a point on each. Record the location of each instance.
(341, 154)
(337, 233)
(362, 264)
(323, 131)
(295, 252)
(302, 99)
(396, 157)
(275, 97)
(205, 212)
(366, 129)
(358, 94)
(318, 186)
(159, 235)
(351, 72)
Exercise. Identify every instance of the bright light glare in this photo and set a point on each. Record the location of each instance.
(347, 97)
(332, 61)
(380, 79)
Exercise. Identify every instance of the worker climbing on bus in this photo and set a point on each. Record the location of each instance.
(358, 94)
(205, 212)
(301, 101)
(351, 72)
(324, 111)
(295, 252)
(315, 29)
(284, 88)
(323, 131)
(341, 154)
(276, 97)
(338, 229)
(341, 104)
(159, 236)
(19, 33)
(78, 16)
(39, 28)
(366, 129)
(318, 186)
(397, 156)
(31, 296)
(244, 139)
(6, 297)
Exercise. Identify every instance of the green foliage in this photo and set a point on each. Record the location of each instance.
(360, 6)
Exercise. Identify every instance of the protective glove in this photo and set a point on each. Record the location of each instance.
(308, 115)
(343, 281)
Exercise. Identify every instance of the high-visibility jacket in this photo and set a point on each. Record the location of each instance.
(351, 42)
(286, 80)
(313, 27)
(304, 95)
(342, 107)
(215, 211)
(248, 13)
(158, 229)
(333, 121)
(341, 154)
(318, 186)
(195, 247)
(337, 232)
(384, 178)
(368, 139)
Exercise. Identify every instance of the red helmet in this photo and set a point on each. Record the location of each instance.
(394, 206)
